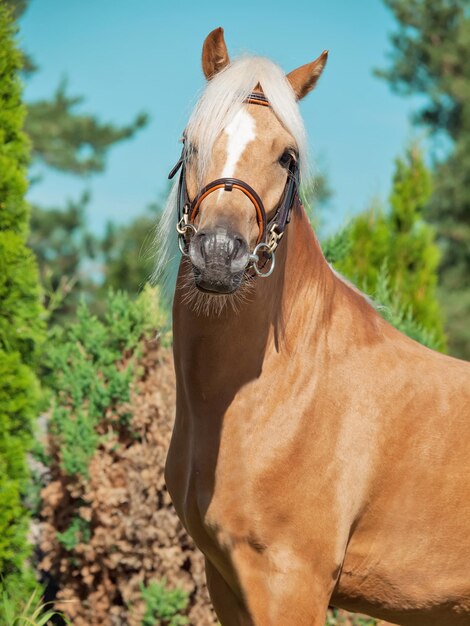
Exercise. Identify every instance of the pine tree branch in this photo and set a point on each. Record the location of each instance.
(69, 141)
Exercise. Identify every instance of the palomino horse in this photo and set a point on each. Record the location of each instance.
(318, 456)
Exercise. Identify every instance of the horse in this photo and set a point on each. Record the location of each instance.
(319, 457)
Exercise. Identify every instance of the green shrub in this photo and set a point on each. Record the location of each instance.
(77, 532)
(164, 606)
(18, 402)
(390, 305)
(340, 618)
(85, 374)
(21, 322)
(392, 255)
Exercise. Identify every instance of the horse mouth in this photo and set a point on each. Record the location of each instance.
(217, 285)
(206, 294)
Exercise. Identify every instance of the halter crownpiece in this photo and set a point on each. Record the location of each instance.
(270, 233)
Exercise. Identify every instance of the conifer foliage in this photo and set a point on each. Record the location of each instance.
(430, 56)
(21, 326)
(392, 255)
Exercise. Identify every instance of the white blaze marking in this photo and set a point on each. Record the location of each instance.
(240, 132)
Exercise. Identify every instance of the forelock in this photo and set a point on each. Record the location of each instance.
(224, 95)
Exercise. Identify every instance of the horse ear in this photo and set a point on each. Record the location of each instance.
(304, 78)
(214, 53)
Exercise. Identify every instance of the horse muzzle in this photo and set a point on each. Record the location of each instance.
(219, 259)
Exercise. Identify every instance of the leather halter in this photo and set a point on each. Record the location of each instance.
(270, 232)
(227, 184)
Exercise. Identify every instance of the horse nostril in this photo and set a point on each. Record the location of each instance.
(202, 244)
(239, 247)
(197, 249)
(239, 256)
(219, 248)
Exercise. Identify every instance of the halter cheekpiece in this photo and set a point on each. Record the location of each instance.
(270, 233)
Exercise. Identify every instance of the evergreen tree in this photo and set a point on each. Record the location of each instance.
(431, 57)
(21, 318)
(392, 256)
(62, 138)
(72, 142)
(67, 140)
(66, 253)
(128, 257)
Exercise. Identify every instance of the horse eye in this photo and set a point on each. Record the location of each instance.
(286, 158)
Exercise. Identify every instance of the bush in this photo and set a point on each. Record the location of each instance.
(21, 323)
(87, 375)
(393, 257)
(164, 606)
(109, 530)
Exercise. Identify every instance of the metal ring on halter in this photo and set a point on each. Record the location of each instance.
(255, 259)
(181, 229)
(183, 225)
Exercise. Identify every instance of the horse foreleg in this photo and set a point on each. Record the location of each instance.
(228, 607)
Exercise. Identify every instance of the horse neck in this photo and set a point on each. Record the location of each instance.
(296, 298)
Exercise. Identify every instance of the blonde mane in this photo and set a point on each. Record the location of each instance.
(221, 99)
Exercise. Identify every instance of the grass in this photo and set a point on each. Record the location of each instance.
(33, 613)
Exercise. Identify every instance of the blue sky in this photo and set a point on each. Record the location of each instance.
(126, 57)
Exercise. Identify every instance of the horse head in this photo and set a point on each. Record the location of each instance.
(243, 149)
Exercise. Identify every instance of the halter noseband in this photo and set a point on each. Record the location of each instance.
(270, 233)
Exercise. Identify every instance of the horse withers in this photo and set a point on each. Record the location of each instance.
(319, 456)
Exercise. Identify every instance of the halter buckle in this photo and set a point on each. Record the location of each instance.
(275, 237)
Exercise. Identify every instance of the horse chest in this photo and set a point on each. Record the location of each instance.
(240, 487)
